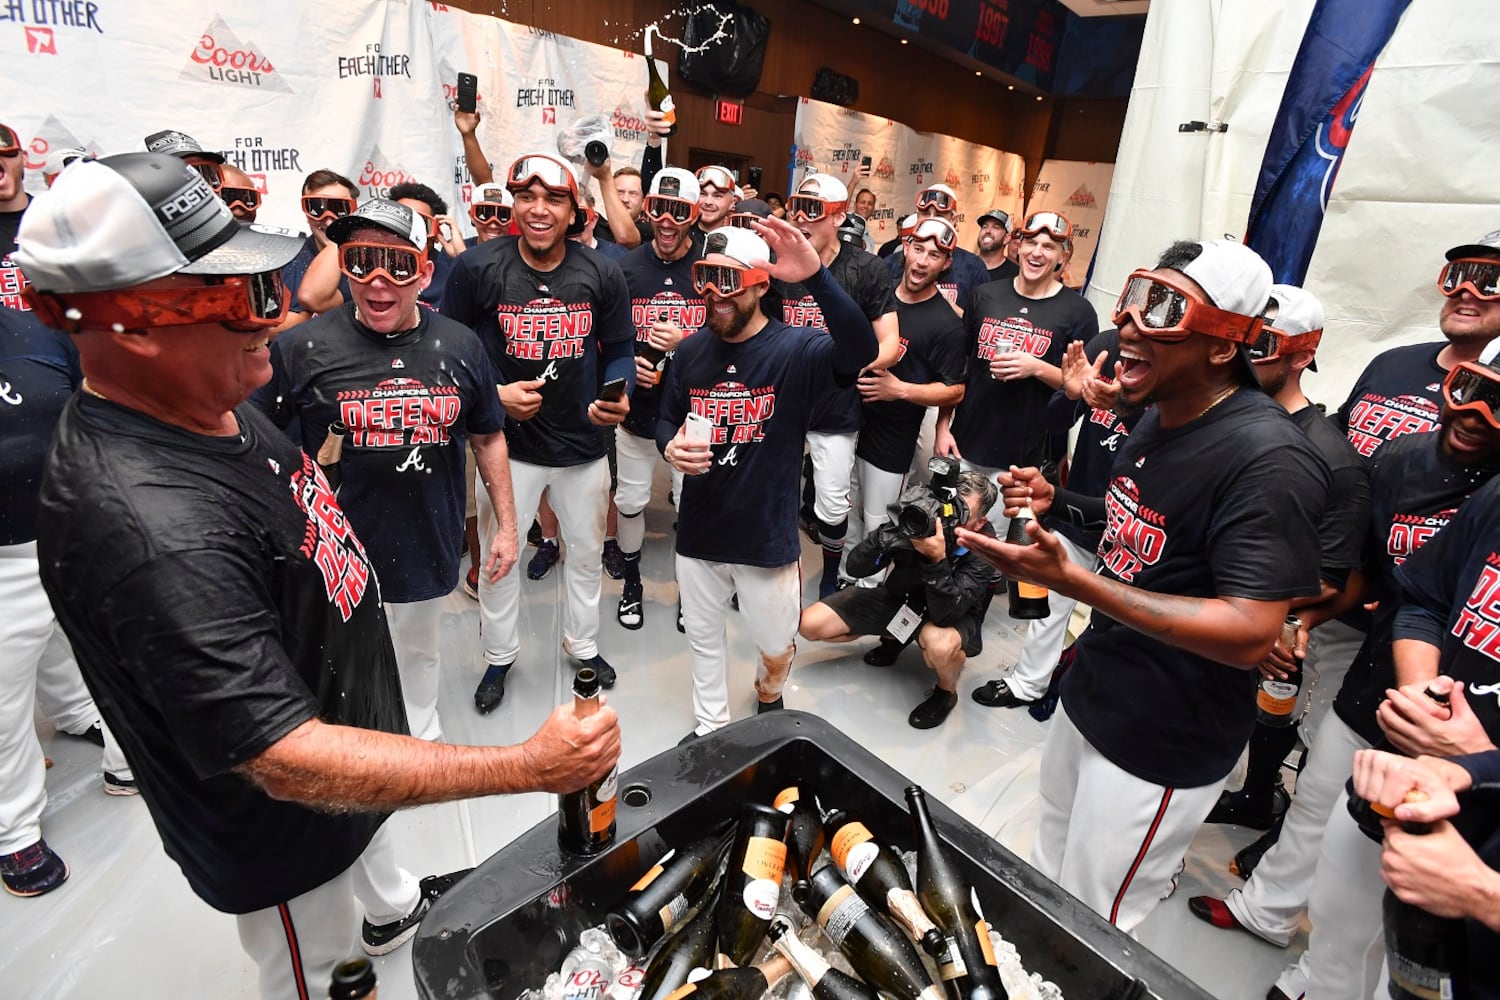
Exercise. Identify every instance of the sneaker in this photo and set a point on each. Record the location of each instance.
(491, 690)
(762, 707)
(630, 613)
(884, 654)
(1248, 857)
(534, 534)
(471, 582)
(93, 734)
(118, 784)
(997, 694)
(601, 667)
(546, 557)
(1213, 911)
(32, 870)
(931, 713)
(614, 559)
(382, 939)
(690, 737)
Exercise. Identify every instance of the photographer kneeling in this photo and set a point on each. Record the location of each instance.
(937, 590)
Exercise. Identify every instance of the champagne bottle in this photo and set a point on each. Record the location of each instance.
(662, 897)
(880, 878)
(879, 952)
(804, 835)
(826, 982)
(657, 94)
(1276, 700)
(689, 947)
(968, 964)
(1027, 600)
(1422, 950)
(586, 818)
(331, 454)
(353, 980)
(748, 983)
(752, 882)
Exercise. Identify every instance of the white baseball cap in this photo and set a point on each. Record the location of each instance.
(674, 182)
(1297, 310)
(825, 186)
(135, 217)
(493, 194)
(742, 245)
(1233, 276)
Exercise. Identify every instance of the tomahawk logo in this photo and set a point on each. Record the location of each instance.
(221, 57)
(380, 174)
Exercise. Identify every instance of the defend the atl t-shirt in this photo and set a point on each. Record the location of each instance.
(932, 350)
(11, 278)
(216, 598)
(965, 273)
(1182, 520)
(38, 373)
(1000, 423)
(561, 326)
(409, 401)
(659, 290)
(1399, 392)
(1341, 533)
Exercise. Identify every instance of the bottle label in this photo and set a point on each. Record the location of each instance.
(761, 896)
(1419, 980)
(787, 799)
(986, 946)
(656, 870)
(1276, 697)
(672, 912)
(764, 859)
(1030, 591)
(602, 816)
(850, 835)
(588, 981)
(843, 909)
(668, 108)
(951, 962)
(685, 990)
(627, 985)
(860, 858)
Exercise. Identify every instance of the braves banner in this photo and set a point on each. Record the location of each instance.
(834, 140)
(1078, 191)
(283, 89)
(1312, 128)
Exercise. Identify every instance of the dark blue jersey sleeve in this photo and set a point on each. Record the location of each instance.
(854, 343)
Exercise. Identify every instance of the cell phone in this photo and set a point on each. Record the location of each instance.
(468, 92)
(613, 391)
(753, 177)
(698, 429)
(864, 163)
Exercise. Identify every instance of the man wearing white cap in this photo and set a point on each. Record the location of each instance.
(716, 200)
(491, 213)
(737, 404)
(1201, 558)
(224, 613)
(967, 272)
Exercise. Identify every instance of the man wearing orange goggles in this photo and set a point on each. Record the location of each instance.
(491, 213)
(13, 201)
(966, 271)
(239, 193)
(326, 196)
(716, 198)
(1210, 532)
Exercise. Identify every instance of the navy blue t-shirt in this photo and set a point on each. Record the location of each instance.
(11, 278)
(659, 290)
(932, 350)
(442, 266)
(1181, 520)
(1399, 392)
(38, 373)
(1341, 533)
(569, 326)
(409, 401)
(1000, 424)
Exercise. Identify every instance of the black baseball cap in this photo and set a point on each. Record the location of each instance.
(179, 144)
(1487, 245)
(392, 216)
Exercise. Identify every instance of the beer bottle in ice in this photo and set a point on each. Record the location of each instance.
(826, 982)
(879, 952)
(749, 983)
(804, 835)
(689, 947)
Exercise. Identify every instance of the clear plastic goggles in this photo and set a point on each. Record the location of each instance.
(939, 231)
(717, 176)
(553, 174)
(940, 200)
(1050, 222)
(364, 262)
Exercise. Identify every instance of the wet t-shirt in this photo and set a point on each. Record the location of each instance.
(38, 373)
(932, 350)
(659, 290)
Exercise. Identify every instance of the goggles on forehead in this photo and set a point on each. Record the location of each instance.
(364, 262)
(248, 198)
(552, 174)
(744, 220)
(488, 211)
(1480, 275)
(938, 231)
(210, 172)
(1271, 344)
(10, 143)
(1166, 311)
(940, 200)
(725, 279)
(717, 176)
(318, 208)
(1049, 222)
(660, 206)
(243, 302)
(812, 208)
(1474, 387)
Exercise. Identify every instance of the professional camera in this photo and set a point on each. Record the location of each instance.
(922, 506)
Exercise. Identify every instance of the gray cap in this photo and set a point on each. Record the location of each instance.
(179, 144)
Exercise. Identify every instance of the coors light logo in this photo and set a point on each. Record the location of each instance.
(220, 56)
(1082, 198)
(380, 174)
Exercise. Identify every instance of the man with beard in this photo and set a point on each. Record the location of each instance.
(994, 244)
(818, 209)
(665, 307)
(1210, 532)
(1018, 331)
(929, 372)
(966, 272)
(750, 389)
(555, 317)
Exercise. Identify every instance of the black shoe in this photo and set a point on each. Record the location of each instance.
(433, 886)
(93, 734)
(601, 667)
(734, 601)
(382, 939)
(884, 654)
(828, 586)
(931, 713)
(491, 690)
(810, 526)
(1249, 856)
(1244, 809)
(547, 554)
(997, 694)
(32, 871)
(762, 707)
(534, 534)
(614, 559)
(629, 612)
(690, 737)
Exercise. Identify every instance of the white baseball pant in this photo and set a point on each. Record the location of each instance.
(997, 517)
(1113, 840)
(1345, 951)
(1270, 904)
(770, 608)
(37, 665)
(925, 440)
(296, 945)
(1331, 648)
(636, 459)
(833, 467)
(1045, 636)
(580, 498)
(416, 632)
(877, 490)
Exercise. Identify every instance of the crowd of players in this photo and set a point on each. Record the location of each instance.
(231, 614)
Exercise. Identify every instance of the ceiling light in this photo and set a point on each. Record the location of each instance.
(856, 20)
(1010, 86)
(903, 41)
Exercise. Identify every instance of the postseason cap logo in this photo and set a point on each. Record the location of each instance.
(671, 187)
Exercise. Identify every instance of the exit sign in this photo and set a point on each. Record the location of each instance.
(729, 112)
